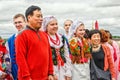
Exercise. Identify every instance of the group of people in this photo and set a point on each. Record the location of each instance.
(39, 52)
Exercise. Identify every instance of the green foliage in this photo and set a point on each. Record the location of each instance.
(115, 36)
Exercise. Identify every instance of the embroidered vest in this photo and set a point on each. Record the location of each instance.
(61, 51)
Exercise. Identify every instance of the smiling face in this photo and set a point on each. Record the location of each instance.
(80, 31)
(95, 39)
(52, 27)
(19, 23)
(35, 20)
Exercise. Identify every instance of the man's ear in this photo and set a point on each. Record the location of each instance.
(29, 17)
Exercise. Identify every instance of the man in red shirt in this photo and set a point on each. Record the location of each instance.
(33, 54)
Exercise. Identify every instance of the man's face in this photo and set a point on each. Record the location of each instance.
(19, 23)
(36, 19)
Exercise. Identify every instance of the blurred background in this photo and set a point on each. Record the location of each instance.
(106, 12)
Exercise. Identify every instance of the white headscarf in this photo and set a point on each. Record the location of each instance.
(73, 28)
(46, 21)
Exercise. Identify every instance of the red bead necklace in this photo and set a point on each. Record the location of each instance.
(57, 41)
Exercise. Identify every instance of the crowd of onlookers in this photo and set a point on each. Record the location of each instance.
(39, 52)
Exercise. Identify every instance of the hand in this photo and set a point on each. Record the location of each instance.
(113, 78)
(50, 77)
(67, 78)
(3, 75)
(30, 79)
(55, 77)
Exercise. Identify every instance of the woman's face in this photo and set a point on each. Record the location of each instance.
(95, 39)
(80, 31)
(52, 27)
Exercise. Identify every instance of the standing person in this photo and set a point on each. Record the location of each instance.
(116, 53)
(59, 47)
(33, 54)
(101, 56)
(5, 66)
(67, 25)
(114, 49)
(80, 51)
(19, 22)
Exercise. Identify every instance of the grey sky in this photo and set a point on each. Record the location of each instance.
(107, 12)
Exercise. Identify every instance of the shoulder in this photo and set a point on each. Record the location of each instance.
(11, 38)
(73, 39)
(43, 33)
(105, 46)
(24, 33)
(85, 41)
(61, 36)
(115, 44)
(106, 49)
(73, 42)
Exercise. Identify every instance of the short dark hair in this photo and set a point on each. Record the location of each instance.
(30, 10)
(94, 32)
(19, 15)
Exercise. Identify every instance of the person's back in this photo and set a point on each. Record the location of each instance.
(19, 22)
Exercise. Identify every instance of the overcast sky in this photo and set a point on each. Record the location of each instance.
(106, 12)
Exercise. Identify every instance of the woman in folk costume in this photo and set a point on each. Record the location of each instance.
(60, 49)
(5, 66)
(80, 51)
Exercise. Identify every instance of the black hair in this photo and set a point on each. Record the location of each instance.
(94, 32)
(30, 10)
(86, 34)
